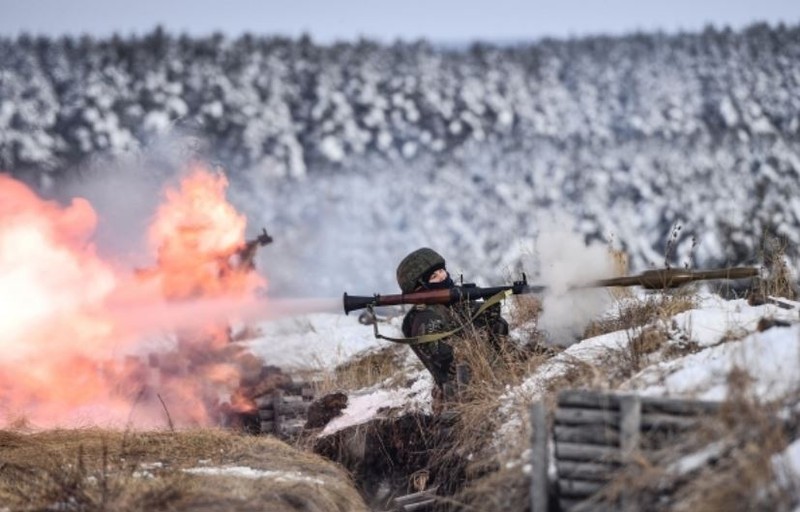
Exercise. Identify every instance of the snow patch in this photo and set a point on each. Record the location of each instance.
(247, 472)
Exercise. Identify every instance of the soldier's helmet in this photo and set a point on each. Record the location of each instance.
(417, 267)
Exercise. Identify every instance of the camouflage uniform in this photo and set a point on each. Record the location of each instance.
(438, 356)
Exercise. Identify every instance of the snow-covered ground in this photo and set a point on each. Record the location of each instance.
(315, 341)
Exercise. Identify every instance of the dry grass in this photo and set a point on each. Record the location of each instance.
(680, 348)
(469, 450)
(645, 323)
(495, 364)
(507, 488)
(370, 367)
(642, 344)
(524, 311)
(639, 313)
(777, 279)
(94, 470)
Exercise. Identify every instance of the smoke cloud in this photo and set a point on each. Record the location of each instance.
(565, 261)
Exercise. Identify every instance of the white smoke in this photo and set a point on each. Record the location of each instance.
(565, 261)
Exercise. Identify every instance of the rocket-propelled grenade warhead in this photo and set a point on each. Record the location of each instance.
(665, 278)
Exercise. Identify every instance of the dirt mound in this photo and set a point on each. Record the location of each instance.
(191, 470)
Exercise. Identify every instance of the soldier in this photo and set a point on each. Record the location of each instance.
(424, 269)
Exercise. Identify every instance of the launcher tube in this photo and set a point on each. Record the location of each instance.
(444, 296)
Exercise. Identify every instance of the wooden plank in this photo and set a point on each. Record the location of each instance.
(294, 408)
(292, 429)
(268, 427)
(587, 452)
(422, 505)
(587, 506)
(593, 471)
(416, 497)
(277, 402)
(586, 417)
(589, 399)
(589, 434)
(630, 435)
(679, 407)
(295, 387)
(569, 488)
(652, 421)
(266, 414)
(264, 401)
(631, 411)
(539, 458)
(610, 401)
(568, 504)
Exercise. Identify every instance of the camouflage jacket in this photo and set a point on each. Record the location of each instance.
(438, 356)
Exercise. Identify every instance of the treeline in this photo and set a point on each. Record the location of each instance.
(629, 136)
(281, 106)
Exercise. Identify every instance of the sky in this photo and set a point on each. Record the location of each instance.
(437, 20)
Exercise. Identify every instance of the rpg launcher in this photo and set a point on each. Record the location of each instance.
(660, 279)
(454, 295)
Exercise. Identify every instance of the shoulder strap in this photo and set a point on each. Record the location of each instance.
(428, 338)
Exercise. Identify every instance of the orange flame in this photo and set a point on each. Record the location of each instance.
(63, 346)
(196, 233)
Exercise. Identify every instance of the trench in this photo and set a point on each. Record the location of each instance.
(400, 463)
(393, 458)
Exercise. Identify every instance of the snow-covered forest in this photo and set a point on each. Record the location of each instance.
(362, 151)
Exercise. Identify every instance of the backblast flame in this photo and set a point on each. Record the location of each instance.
(69, 354)
(196, 233)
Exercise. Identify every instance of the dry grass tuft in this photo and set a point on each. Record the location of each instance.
(94, 470)
(645, 323)
(469, 450)
(777, 279)
(578, 374)
(504, 489)
(642, 343)
(366, 369)
(524, 310)
(681, 348)
(638, 313)
(650, 340)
